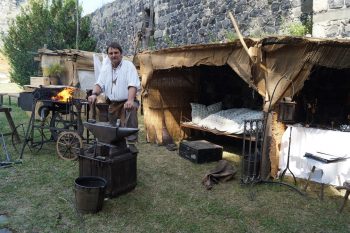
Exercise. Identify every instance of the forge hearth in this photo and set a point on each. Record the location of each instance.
(65, 105)
(110, 157)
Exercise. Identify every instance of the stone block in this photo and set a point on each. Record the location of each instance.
(296, 3)
(332, 31)
(158, 34)
(296, 12)
(336, 4)
(347, 3)
(346, 32)
(318, 30)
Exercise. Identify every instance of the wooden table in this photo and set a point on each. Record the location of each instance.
(313, 140)
(7, 111)
(10, 96)
(2, 98)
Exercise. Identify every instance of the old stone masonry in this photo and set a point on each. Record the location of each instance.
(154, 24)
(166, 23)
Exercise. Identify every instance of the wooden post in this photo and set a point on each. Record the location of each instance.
(265, 154)
(10, 121)
(345, 186)
(344, 201)
(308, 179)
(1, 99)
(322, 192)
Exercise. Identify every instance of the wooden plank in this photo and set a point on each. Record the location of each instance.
(192, 125)
(37, 81)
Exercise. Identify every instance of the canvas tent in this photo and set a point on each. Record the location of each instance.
(279, 67)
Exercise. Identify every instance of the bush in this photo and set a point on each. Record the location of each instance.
(297, 28)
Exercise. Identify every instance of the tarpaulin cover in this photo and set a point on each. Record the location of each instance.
(281, 67)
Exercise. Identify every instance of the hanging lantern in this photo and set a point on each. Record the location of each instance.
(286, 110)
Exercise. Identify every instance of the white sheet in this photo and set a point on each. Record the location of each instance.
(231, 120)
(316, 140)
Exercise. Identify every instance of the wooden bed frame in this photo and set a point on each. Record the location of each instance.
(191, 125)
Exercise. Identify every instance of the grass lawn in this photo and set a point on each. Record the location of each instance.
(38, 196)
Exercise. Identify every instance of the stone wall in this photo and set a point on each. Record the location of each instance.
(331, 18)
(181, 22)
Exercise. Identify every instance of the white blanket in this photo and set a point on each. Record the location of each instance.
(230, 121)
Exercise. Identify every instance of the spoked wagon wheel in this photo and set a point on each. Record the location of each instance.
(68, 145)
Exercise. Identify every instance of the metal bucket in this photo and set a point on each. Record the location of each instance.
(89, 193)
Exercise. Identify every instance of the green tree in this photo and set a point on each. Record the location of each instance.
(41, 23)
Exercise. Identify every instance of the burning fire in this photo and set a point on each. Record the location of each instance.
(65, 95)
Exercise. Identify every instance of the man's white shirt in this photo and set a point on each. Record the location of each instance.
(115, 82)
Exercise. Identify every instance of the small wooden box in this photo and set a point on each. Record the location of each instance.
(200, 151)
(37, 81)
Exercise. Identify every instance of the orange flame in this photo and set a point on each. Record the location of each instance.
(65, 95)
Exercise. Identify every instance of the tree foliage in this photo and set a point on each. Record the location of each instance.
(40, 23)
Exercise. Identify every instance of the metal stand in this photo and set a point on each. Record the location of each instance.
(287, 167)
(4, 148)
(29, 130)
(7, 162)
(252, 176)
(251, 151)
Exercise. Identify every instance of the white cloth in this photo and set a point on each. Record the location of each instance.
(313, 140)
(231, 120)
(116, 88)
(97, 65)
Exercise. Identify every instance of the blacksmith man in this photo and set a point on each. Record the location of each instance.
(120, 83)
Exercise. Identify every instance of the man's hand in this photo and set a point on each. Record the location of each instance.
(92, 99)
(129, 104)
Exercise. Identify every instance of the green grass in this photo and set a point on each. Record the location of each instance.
(38, 196)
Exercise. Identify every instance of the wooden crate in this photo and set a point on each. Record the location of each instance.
(37, 81)
(119, 171)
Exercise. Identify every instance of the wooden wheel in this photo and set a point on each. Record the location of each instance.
(68, 145)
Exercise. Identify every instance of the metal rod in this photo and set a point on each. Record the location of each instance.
(308, 179)
(285, 184)
(255, 174)
(8, 158)
(243, 152)
(29, 128)
(288, 158)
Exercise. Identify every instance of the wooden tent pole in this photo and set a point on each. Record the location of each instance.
(235, 25)
(265, 161)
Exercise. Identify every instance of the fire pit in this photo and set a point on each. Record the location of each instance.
(59, 112)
